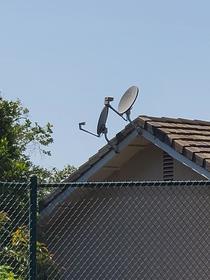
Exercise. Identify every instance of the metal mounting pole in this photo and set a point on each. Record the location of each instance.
(114, 147)
(137, 128)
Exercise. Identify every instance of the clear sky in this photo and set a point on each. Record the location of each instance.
(61, 58)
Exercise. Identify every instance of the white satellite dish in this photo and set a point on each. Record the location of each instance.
(125, 104)
(127, 100)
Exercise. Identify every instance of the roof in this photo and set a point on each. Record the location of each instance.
(190, 138)
(187, 139)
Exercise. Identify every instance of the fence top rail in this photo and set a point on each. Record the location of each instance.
(109, 184)
(14, 184)
(126, 184)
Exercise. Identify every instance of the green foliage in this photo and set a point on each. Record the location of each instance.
(3, 219)
(18, 137)
(15, 253)
(54, 175)
(7, 274)
(18, 134)
(51, 176)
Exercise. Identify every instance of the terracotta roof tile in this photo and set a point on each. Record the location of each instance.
(188, 137)
(207, 164)
(199, 158)
(185, 131)
(190, 151)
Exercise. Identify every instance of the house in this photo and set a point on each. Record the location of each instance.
(151, 214)
(167, 149)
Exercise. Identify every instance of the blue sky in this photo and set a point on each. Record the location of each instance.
(61, 58)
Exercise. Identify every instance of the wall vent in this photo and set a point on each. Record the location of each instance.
(168, 167)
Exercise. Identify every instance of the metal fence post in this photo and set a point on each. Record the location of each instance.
(33, 223)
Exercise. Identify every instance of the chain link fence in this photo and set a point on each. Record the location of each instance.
(14, 230)
(129, 231)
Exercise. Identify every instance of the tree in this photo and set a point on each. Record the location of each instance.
(15, 253)
(17, 132)
(53, 175)
(18, 136)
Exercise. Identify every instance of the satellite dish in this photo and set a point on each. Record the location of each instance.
(124, 107)
(127, 100)
(101, 127)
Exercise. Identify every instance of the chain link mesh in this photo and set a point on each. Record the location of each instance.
(14, 230)
(128, 231)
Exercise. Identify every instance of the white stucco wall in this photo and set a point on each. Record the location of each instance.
(131, 233)
(183, 172)
(147, 165)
